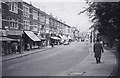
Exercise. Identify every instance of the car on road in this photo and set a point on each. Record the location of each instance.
(66, 42)
(82, 40)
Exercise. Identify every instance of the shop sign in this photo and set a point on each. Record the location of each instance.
(14, 32)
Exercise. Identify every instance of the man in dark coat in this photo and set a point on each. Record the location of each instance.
(98, 50)
(19, 48)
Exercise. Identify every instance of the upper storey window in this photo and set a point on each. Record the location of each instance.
(13, 6)
(35, 15)
(25, 11)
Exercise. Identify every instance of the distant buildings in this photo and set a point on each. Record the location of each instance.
(22, 23)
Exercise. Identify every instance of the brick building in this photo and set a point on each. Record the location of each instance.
(22, 23)
(11, 24)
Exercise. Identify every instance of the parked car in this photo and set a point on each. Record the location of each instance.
(82, 40)
(66, 42)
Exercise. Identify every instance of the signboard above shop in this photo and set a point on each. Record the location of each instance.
(14, 32)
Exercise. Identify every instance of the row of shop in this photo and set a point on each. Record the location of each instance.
(20, 41)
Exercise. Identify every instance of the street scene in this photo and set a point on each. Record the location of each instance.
(59, 39)
(47, 63)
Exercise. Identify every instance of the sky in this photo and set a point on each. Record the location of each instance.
(66, 10)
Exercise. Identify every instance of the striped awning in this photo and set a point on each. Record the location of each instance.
(32, 36)
(56, 38)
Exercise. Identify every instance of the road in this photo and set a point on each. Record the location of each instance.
(47, 63)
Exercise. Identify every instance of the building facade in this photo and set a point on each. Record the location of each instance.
(31, 26)
(11, 24)
(23, 24)
(43, 25)
(26, 16)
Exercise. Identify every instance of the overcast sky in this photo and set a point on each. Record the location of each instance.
(66, 10)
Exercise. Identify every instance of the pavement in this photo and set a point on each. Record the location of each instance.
(25, 53)
(88, 67)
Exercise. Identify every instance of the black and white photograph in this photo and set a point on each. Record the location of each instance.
(60, 38)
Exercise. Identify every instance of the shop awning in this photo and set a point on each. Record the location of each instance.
(56, 38)
(6, 39)
(60, 36)
(32, 36)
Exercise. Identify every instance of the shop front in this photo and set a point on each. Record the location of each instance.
(31, 40)
(6, 42)
(43, 41)
(6, 45)
(55, 40)
(17, 35)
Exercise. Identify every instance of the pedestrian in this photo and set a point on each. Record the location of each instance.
(28, 46)
(98, 50)
(19, 48)
(14, 47)
(51, 43)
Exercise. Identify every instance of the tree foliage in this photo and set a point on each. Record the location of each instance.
(106, 17)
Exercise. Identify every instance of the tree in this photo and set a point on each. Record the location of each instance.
(106, 17)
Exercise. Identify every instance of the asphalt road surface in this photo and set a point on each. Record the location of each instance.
(47, 63)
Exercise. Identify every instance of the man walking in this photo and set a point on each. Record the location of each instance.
(98, 50)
